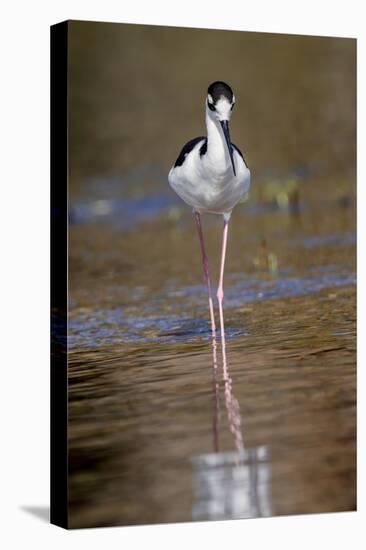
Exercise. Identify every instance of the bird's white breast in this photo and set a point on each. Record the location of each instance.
(207, 182)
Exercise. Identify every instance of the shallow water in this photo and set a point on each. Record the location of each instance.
(156, 434)
(150, 439)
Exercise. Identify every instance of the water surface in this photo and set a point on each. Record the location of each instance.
(154, 436)
(145, 422)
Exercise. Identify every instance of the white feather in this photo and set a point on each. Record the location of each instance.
(207, 183)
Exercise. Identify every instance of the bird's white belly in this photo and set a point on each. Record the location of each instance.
(206, 191)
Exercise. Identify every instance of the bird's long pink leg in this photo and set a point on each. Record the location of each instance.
(220, 293)
(206, 271)
(213, 330)
(231, 402)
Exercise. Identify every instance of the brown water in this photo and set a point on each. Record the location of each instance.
(149, 439)
(141, 401)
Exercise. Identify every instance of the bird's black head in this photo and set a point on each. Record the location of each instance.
(218, 90)
(220, 100)
(220, 103)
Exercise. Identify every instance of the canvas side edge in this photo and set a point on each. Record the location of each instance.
(59, 249)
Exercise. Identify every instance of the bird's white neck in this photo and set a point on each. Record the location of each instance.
(217, 151)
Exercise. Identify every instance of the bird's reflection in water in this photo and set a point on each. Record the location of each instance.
(232, 485)
(235, 484)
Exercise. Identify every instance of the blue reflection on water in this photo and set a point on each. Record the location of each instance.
(111, 326)
(129, 211)
(337, 239)
(91, 328)
(293, 286)
(122, 212)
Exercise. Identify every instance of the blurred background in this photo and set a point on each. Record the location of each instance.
(141, 414)
(137, 95)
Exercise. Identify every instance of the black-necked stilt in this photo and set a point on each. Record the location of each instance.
(211, 175)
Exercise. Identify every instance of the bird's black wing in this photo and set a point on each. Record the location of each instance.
(188, 148)
(240, 153)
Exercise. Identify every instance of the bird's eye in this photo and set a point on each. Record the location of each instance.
(232, 106)
(211, 106)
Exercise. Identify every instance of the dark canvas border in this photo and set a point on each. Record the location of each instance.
(59, 287)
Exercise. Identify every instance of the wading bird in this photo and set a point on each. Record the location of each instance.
(211, 176)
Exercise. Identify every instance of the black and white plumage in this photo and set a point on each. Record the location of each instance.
(211, 176)
(210, 173)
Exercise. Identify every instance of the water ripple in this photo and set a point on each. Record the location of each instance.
(90, 328)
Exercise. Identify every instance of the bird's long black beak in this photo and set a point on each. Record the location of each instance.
(225, 129)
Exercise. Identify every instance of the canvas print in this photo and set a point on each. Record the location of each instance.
(203, 319)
